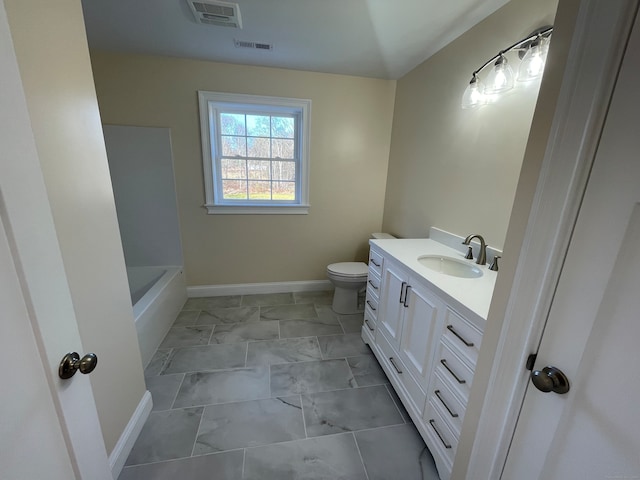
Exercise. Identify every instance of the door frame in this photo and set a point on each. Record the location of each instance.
(599, 41)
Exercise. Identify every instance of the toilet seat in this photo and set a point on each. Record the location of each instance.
(348, 269)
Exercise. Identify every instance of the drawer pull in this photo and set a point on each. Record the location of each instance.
(373, 285)
(374, 262)
(432, 422)
(395, 366)
(450, 328)
(406, 296)
(366, 321)
(458, 379)
(370, 305)
(404, 284)
(451, 412)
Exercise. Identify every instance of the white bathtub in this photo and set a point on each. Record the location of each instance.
(157, 294)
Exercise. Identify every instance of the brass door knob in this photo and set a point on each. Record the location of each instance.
(72, 362)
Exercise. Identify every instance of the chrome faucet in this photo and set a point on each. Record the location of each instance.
(482, 256)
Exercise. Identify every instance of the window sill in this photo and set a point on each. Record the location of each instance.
(257, 210)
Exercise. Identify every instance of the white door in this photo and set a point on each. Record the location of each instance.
(593, 329)
(48, 427)
(391, 307)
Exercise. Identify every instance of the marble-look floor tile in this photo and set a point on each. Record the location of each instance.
(207, 388)
(352, 323)
(287, 312)
(157, 362)
(320, 297)
(349, 410)
(186, 318)
(206, 357)
(245, 332)
(396, 452)
(328, 458)
(219, 316)
(205, 303)
(310, 377)
(166, 435)
(367, 371)
(340, 346)
(271, 352)
(227, 466)
(187, 336)
(249, 424)
(326, 313)
(163, 390)
(308, 327)
(398, 403)
(267, 299)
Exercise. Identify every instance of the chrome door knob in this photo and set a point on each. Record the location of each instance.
(550, 379)
(72, 362)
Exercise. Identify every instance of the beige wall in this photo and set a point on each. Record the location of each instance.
(52, 54)
(458, 169)
(350, 137)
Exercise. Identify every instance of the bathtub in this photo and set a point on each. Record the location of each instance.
(157, 295)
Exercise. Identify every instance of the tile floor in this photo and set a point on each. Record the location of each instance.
(272, 387)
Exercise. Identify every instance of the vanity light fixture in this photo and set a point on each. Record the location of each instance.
(532, 52)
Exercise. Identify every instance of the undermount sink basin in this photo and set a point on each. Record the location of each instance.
(450, 266)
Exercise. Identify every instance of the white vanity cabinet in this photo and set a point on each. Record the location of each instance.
(427, 348)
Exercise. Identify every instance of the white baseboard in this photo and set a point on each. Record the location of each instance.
(256, 288)
(130, 434)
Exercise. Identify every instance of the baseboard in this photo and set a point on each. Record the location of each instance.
(130, 434)
(257, 288)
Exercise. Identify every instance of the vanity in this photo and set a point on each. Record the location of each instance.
(425, 313)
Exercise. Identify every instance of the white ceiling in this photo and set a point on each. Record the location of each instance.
(372, 38)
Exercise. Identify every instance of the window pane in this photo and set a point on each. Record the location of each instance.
(258, 147)
(232, 168)
(283, 170)
(284, 190)
(234, 147)
(282, 148)
(260, 190)
(259, 169)
(234, 189)
(258, 125)
(282, 127)
(232, 124)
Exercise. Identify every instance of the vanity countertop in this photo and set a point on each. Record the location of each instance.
(473, 293)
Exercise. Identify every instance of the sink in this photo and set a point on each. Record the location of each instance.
(450, 266)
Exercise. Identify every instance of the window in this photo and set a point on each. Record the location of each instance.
(255, 152)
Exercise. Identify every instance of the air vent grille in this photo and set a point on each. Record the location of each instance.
(212, 12)
(254, 45)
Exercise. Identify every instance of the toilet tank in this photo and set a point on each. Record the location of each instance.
(379, 236)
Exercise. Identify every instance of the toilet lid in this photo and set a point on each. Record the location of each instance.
(349, 269)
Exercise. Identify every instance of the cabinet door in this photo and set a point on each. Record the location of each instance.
(394, 281)
(419, 329)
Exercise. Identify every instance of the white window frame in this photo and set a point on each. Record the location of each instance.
(300, 109)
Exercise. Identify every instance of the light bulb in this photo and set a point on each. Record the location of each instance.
(500, 79)
(473, 96)
(532, 65)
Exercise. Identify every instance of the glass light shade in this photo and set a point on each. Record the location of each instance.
(500, 78)
(532, 65)
(473, 96)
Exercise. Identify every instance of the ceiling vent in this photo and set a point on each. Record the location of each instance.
(220, 14)
(254, 45)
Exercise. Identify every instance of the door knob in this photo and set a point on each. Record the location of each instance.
(72, 362)
(550, 379)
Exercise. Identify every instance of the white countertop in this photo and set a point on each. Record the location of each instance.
(473, 293)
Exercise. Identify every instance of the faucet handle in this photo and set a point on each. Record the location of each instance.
(469, 255)
(494, 264)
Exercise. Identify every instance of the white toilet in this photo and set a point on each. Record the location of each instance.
(349, 280)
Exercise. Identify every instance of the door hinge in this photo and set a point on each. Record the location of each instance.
(531, 360)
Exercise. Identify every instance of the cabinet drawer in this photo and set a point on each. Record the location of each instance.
(399, 371)
(463, 336)
(443, 442)
(373, 284)
(453, 410)
(454, 371)
(370, 321)
(372, 302)
(375, 262)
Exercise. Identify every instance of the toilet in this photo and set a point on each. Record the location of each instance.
(349, 280)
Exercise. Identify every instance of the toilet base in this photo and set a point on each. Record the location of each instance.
(346, 301)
